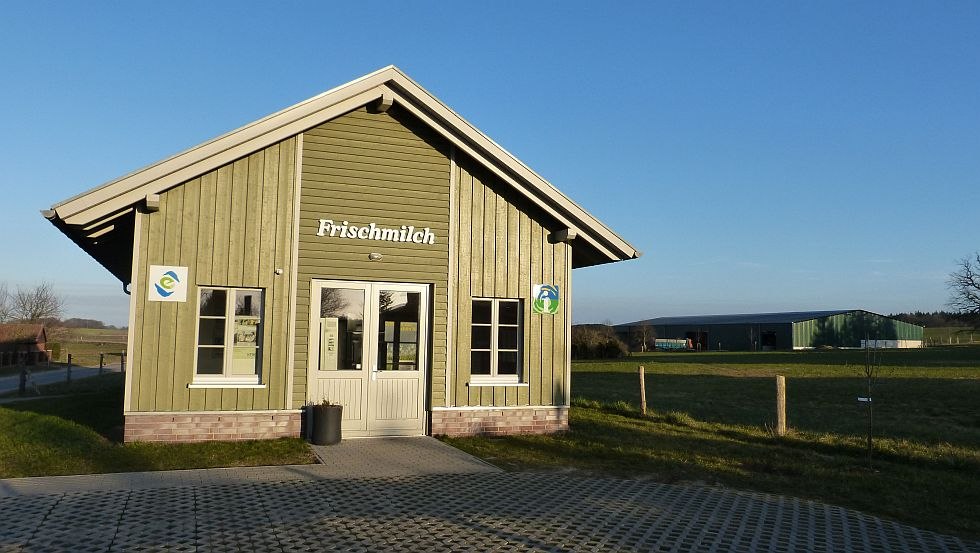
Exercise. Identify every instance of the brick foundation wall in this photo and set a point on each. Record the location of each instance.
(203, 427)
(497, 422)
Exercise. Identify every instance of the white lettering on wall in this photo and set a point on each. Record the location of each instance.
(407, 233)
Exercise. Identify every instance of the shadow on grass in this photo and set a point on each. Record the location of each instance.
(95, 403)
(852, 450)
(930, 411)
(81, 433)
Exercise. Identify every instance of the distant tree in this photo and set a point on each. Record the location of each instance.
(30, 305)
(964, 288)
(932, 319)
(83, 323)
(596, 342)
(6, 308)
(643, 337)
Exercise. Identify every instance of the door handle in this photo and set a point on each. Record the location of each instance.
(374, 371)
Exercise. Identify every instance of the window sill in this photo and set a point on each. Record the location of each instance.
(483, 383)
(198, 385)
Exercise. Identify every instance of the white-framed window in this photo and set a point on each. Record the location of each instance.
(496, 337)
(229, 336)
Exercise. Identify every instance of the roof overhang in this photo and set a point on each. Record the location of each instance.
(83, 216)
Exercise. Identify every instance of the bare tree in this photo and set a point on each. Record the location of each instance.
(872, 368)
(30, 305)
(964, 288)
(643, 336)
(6, 309)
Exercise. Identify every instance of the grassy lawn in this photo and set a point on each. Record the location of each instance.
(87, 353)
(951, 335)
(707, 420)
(85, 344)
(82, 433)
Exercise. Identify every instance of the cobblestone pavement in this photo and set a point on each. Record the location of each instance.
(451, 512)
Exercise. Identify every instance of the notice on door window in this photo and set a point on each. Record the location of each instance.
(329, 337)
(246, 331)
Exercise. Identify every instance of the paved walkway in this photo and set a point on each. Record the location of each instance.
(364, 458)
(477, 508)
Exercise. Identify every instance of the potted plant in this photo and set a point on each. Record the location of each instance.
(326, 419)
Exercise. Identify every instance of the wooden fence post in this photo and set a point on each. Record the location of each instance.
(780, 405)
(68, 372)
(643, 393)
(101, 362)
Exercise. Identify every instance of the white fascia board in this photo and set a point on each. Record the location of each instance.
(546, 191)
(128, 190)
(466, 147)
(84, 207)
(208, 157)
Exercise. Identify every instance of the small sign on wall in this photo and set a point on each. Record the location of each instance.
(167, 283)
(545, 299)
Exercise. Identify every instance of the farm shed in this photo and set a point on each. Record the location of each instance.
(368, 247)
(23, 343)
(792, 330)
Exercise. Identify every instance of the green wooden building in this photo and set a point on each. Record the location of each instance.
(367, 246)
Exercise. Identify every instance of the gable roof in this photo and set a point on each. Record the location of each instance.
(22, 334)
(93, 215)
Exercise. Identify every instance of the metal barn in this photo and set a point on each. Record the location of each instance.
(772, 331)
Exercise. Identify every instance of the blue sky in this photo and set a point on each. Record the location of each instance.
(764, 156)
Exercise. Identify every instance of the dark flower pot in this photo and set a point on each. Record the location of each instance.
(326, 424)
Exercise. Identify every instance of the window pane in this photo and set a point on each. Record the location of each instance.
(507, 362)
(341, 329)
(482, 311)
(245, 327)
(508, 312)
(480, 362)
(248, 302)
(212, 332)
(507, 337)
(397, 331)
(245, 361)
(212, 302)
(481, 337)
(210, 360)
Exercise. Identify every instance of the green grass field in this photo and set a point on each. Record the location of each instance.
(950, 335)
(85, 344)
(709, 415)
(81, 433)
(928, 395)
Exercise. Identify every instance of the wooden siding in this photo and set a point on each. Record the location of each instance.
(230, 227)
(503, 250)
(384, 168)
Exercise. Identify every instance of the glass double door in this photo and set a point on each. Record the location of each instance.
(368, 351)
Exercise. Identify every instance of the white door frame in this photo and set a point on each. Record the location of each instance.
(371, 379)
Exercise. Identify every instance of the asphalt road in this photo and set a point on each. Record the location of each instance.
(11, 383)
